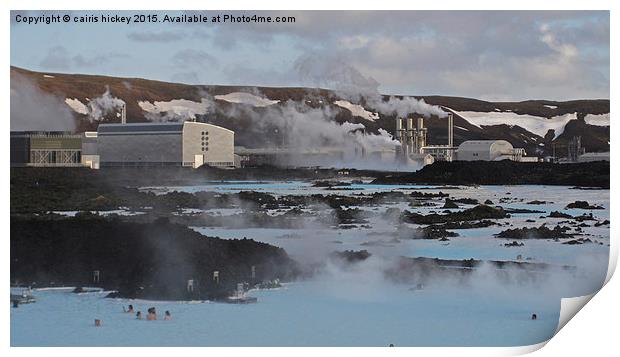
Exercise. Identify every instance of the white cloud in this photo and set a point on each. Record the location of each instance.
(567, 51)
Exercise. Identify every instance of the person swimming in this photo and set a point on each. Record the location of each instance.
(167, 316)
(152, 314)
(129, 309)
(139, 315)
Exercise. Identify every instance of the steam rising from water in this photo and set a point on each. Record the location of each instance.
(367, 280)
(34, 110)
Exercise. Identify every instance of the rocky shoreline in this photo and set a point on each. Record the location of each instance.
(160, 260)
(590, 174)
(58, 238)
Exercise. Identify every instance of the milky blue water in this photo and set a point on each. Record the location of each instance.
(359, 306)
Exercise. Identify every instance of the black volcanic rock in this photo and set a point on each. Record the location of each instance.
(350, 256)
(578, 241)
(427, 270)
(151, 261)
(472, 214)
(556, 214)
(588, 174)
(434, 232)
(582, 205)
(450, 204)
(466, 224)
(541, 232)
(603, 223)
(428, 195)
(522, 210)
(466, 201)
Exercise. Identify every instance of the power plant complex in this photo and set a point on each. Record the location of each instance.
(413, 142)
(194, 144)
(186, 144)
(189, 144)
(414, 146)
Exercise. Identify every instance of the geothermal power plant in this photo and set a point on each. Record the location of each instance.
(194, 144)
(411, 134)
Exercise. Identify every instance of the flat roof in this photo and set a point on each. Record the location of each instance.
(43, 133)
(135, 127)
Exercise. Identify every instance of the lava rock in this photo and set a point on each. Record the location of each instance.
(582, 205)
(450, 204)
(541, 232)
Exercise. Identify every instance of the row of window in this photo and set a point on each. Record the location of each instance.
(205, 141)
(221, 163)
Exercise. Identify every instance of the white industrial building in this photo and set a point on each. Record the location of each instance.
(488, 150)
(593, 156)
(190, 144)
(90, 157)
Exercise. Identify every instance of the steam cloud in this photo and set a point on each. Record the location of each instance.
(34, 110)
(178, 110)
(305, 129)
(335, 73)
(104, 105)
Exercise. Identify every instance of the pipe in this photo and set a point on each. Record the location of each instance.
(401, 137)
(410, 135)
(124, 114)
(450, 130)
(399, 128)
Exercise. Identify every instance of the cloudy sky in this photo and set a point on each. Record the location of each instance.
(490, 55)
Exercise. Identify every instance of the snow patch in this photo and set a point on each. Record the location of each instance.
(536, 125)
(177, 107)
(597, 119)
(357, 110)
(246, 98)
(77, 106)
(551, 106)
(48, 76)
(460, 127)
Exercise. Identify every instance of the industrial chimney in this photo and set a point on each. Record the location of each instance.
(421, 131)
(450, 130)
(411, 137)
(401, 137)
(124, 114)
